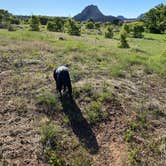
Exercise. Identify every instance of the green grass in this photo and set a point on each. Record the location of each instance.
(103, 54)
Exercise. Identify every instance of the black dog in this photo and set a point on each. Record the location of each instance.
(62, 78)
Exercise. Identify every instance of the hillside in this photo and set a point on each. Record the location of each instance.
(117, 116)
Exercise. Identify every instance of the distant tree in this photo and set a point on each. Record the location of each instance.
(126, 27)
(4, 16)
(106, 24)
(116, 21)
(137, 29)
(97, 25)
(109, 32)
(11, 28)
(14, 20)
(91, 20)
(123, 39)
(1, 18)
(90, 24)
(34, 23)
(72, 27)
(43, 20)
(155, 19)
(57, 25)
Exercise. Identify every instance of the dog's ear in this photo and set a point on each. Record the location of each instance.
(67, 65)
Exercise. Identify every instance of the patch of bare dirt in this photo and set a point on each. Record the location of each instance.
(19, 133)
(110, 137)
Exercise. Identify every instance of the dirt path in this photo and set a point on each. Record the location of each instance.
(112, 150)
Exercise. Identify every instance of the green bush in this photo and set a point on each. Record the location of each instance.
(51, 137)
(49, 133)
(94, 112)
(155, 19)
(89, 25)
(123, 41)
(34, 23)
(72, 27)
(137, 30)
(11, 28)
(43, 20)
(109, 32)
(57, 25)
(126, 27)
(98, 25)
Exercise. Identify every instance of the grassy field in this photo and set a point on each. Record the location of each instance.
(117, 116)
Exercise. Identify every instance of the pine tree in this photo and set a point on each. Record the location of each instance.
(123, 41)
(109, 32)
(73, 28)
(34, 23)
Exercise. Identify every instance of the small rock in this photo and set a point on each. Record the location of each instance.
(61, 38)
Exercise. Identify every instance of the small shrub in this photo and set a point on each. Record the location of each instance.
(105, 96)
(89, 25)
(128, 135)
(48, 102)
(118, 70)
(88, 89)
(126, 28)
(123, 41)
(133, 156)
(98, 25)
(34, 23)
(94, 112)
(50, 135)
(55, 160)
(137, 30)
(142, 119)
(11, 28)
(57, 25)
(72, 28)
(109, 32)
(133, 126)
(51, 138)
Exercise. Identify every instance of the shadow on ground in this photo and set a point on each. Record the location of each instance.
(79, 125)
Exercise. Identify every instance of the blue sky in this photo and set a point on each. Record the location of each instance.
(127, 8)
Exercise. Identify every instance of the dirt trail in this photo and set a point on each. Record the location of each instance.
(109, 136)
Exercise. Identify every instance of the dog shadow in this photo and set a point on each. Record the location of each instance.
(79, 125)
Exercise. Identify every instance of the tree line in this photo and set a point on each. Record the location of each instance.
(154, 21)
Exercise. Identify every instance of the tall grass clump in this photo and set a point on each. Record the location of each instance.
(51, 137)
(48, 102)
